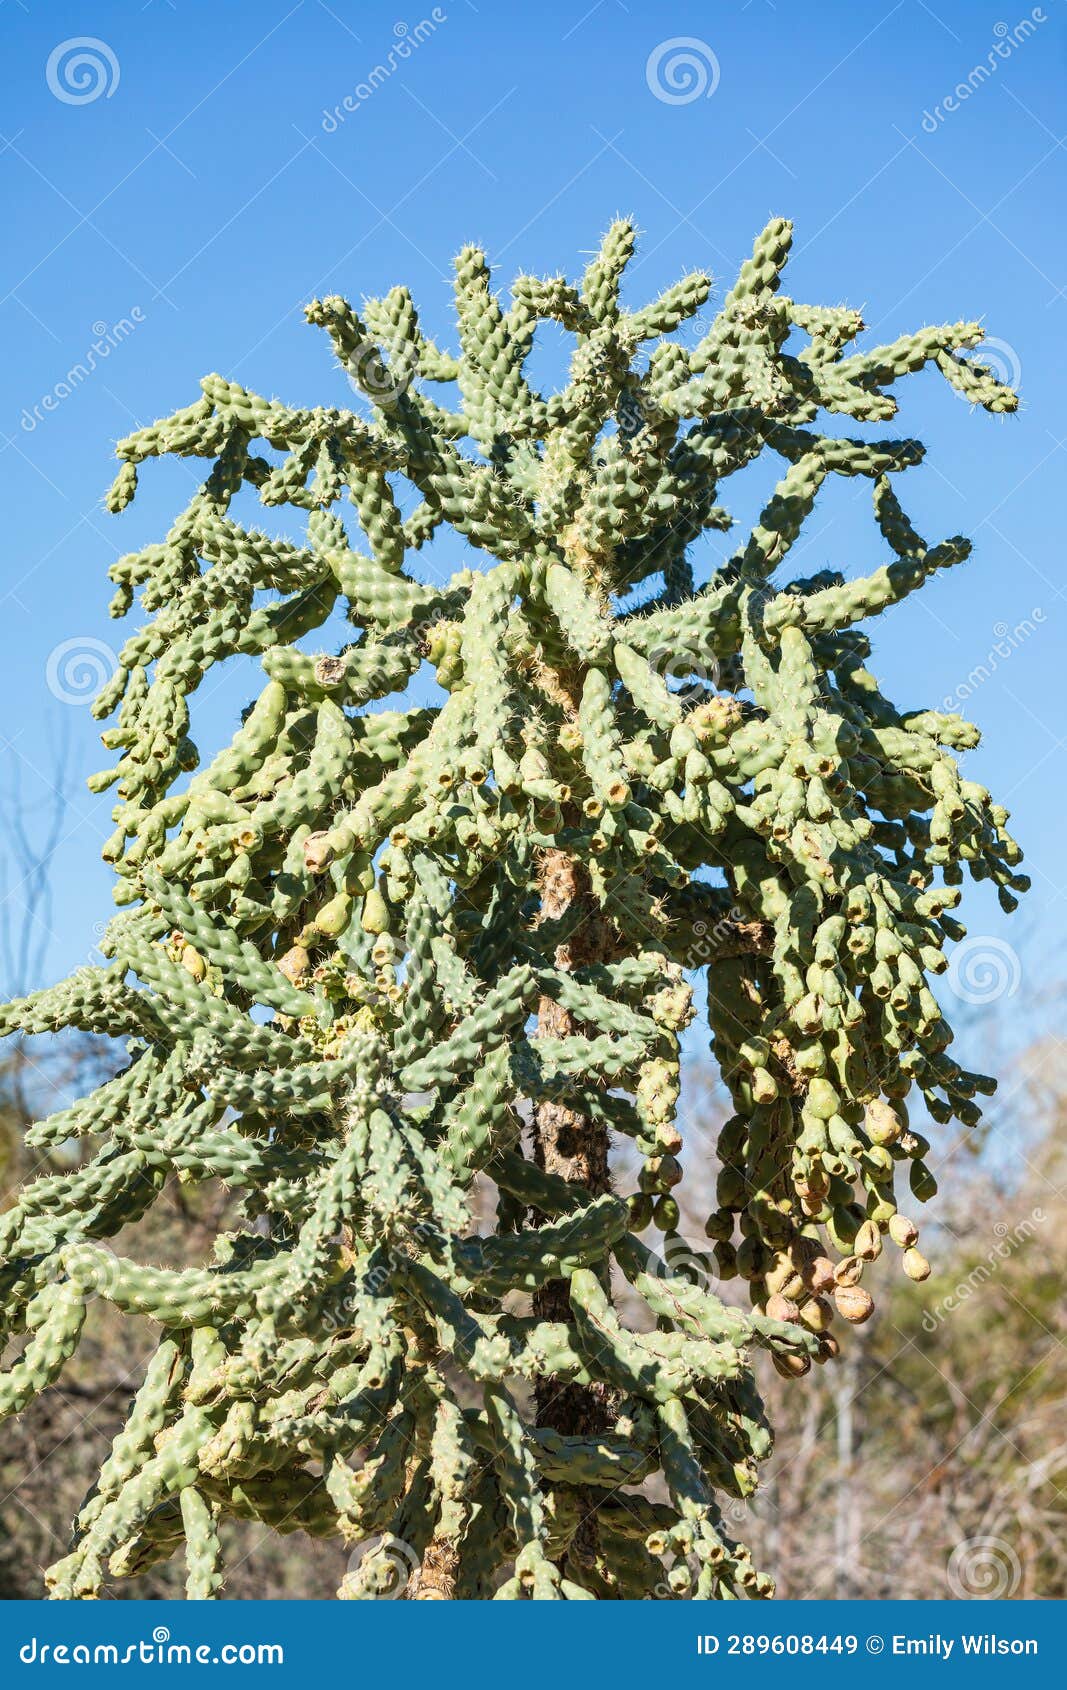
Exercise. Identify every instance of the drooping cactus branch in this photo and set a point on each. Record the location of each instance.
(401, 946)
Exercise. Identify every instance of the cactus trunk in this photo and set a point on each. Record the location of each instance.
(573, 1147)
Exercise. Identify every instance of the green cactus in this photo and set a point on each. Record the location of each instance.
(374, 955)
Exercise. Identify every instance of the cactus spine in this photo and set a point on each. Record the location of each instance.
(376, 951)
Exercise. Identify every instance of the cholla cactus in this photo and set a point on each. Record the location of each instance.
(371, 961)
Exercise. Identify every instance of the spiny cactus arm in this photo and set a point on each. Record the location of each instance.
(181, 1004)
(163, 1475)
(483, 1354)
(476, 1036)
(221, 947)
(150, 1411)
(606, 1461)
(675, 305)
(54, 1318)
(91, 1000)
(365, 1501)
(176, 1298)
(479, 1118)
(534, 1574)
(526, 1260)
(99, 1111)
(203, 1550)
(114, 1189)
(697, 1532)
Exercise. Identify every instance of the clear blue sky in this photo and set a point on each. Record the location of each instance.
(209, 193)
